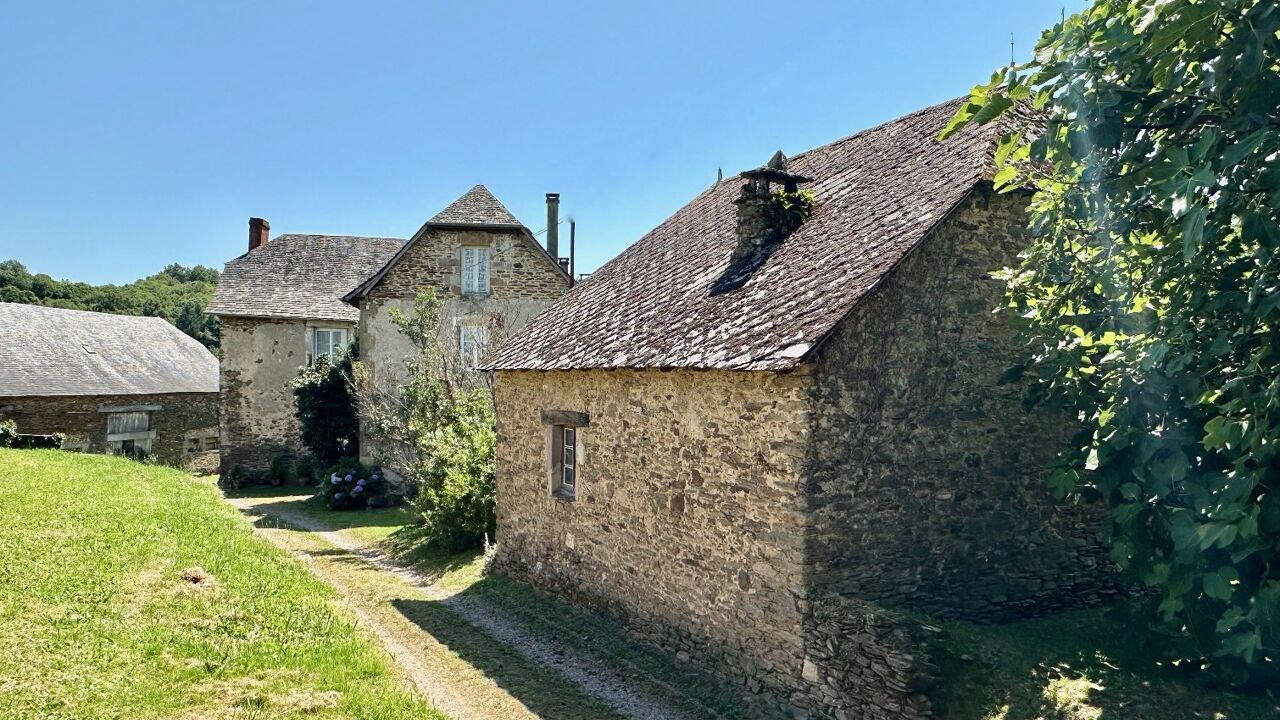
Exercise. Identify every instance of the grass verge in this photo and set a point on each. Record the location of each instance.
(133, 591)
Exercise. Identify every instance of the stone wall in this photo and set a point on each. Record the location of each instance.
(259, 359)
(523, 283)
(81, 420)
(688, 518)
(928, 480)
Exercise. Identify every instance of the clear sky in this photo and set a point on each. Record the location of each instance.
(135, 134)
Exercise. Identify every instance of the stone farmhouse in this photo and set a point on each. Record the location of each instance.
(759, 452)
(109, 383)
(292, 298)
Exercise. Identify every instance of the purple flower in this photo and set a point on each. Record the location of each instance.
(360, 482)
(337, 496)
(357, 489)
(333, 480)
(347, 478)
(377, 475)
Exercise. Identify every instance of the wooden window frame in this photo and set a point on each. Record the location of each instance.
(474, 273)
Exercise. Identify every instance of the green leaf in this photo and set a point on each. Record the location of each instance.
(1193, 232)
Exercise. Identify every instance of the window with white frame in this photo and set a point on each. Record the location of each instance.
(473, 340)
(564, 429)
(475, 270)
(326, 342)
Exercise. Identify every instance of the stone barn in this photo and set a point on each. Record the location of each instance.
(109, 383)
(761, 450)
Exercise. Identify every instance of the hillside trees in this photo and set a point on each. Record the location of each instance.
(177, 293)
(1151, 298)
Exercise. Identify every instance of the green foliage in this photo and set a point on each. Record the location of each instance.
(787, 211)
(235, 477)
(325, 405)
(1151, 298)
(281, 470)
(440, 431)
(177, 293)
(307, 469)
(8, 433)
(352, 486)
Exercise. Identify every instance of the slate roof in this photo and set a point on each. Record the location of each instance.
(477, 206)
(51, 351)
(878, 194)
(300, 277)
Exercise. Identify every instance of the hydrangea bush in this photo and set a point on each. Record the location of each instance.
(353, 487)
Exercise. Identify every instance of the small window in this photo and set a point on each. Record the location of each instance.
(568, 461)
(129, 433)
(473, 340)
(326, 342)
(475, 270)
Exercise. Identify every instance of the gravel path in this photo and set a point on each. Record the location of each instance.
(587, 674)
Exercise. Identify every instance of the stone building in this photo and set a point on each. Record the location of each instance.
(108, 383)
(488, 269)
(279, 306)
(761, 448)
(290, 299)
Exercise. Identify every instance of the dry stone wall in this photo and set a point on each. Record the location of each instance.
(911, 431)
(688, 518)
(81, 419)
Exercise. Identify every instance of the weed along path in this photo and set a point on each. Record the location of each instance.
(478, 651)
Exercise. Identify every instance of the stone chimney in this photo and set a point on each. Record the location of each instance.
(259, 230)
(553, 225)
(756, 221)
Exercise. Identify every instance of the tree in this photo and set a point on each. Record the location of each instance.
(1151, 298)
(437, 428)
(326, 407)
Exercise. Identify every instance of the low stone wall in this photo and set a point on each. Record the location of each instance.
(866, 663)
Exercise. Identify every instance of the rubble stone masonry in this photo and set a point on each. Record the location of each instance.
(259, 359)
(784, 528)
(80, 418)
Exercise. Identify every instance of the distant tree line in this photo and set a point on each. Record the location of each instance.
(177, 293)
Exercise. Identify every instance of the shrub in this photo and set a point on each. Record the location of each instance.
(456, 480)
(352, 486)
(37, 442)
(8, 433)
(307, 470)
(281, 471)
(326, 407)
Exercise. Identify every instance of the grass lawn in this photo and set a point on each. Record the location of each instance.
(131, 591)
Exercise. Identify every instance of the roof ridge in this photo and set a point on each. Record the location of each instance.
(477, 206)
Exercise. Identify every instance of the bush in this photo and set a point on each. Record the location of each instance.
(8, 433)
(326, 407)
(281, 470)
(307, 470)
(37, 442)
(456, 481)
(352, 486)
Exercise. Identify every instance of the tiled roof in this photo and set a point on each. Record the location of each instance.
(300, 276)
(477, 206)
(658, 304)
(51, 351)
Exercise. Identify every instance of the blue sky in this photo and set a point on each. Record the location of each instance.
(136, 134)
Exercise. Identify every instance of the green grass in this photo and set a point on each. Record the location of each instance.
(98, 621)
(1074, 666)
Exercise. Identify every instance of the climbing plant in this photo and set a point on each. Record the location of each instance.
(1150, 296)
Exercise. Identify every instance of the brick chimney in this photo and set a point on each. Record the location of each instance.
(755, 227)
(259, 229)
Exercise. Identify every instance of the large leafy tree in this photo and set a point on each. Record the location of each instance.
(1151, 297)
